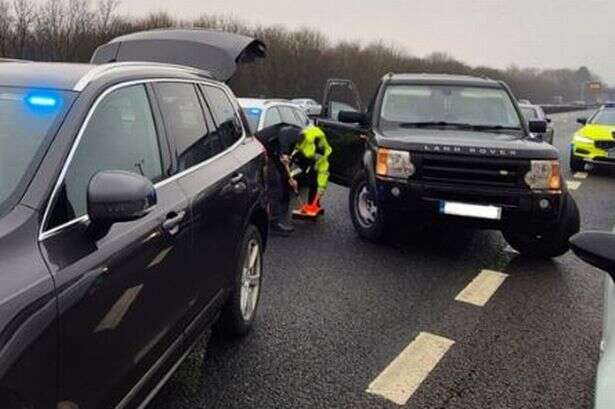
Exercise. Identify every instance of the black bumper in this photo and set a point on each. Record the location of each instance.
(520, 207)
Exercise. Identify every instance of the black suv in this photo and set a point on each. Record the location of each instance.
(132, 215)
(448, 147)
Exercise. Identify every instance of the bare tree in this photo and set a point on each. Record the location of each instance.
(6, 24)
(25, 14)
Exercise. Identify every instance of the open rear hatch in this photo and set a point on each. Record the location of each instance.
(216, 52)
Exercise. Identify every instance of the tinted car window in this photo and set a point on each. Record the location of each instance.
(121, 135)
(184, 120)
(225, 116)
(27, 121)
(272, 117)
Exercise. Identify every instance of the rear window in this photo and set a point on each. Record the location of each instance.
(529, 113)
(28, 119)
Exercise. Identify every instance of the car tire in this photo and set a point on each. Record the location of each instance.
(239, 312)
(552, 244)
(576, 164)
(368, 220)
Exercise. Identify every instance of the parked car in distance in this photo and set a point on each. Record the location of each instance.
(535, 112)
(594, 142)
(448, 148)
(263, 113)
(310, 106)
(133, 214)
(598, 249)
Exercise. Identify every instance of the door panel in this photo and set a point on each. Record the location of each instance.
(123, 300)
(124, 296)
(345, 139)
(348, 147)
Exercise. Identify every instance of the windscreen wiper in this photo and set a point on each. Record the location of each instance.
(496, 128)
(427, 124)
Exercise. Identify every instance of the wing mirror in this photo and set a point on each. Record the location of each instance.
(596, 248)
(538, 126)
(549, 120)
(117, 196)
(582, 121)
(353, 117)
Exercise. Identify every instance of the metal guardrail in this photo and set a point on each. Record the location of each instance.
(556, 109)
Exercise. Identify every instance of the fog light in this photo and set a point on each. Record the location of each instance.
(396, 192)
(544, 204)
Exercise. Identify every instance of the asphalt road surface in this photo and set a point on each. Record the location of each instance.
(336, 312)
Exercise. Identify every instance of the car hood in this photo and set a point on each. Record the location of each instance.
(461, 142)
(217, 52)
(597, 132)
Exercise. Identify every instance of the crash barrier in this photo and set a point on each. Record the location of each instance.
(556, 109)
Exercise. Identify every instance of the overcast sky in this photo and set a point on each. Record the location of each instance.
(534, 33)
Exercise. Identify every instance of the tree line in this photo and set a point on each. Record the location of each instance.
(298, 63)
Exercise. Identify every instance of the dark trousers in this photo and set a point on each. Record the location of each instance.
(279, 194)
(309, 179)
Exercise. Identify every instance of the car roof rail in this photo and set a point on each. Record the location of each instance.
(103, 69)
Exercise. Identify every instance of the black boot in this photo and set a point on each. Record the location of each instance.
(279, 228)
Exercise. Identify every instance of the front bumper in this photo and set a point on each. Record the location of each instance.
(519, 206)
(589, 153)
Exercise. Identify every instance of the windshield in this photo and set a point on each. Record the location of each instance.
(27, 119)
(443, 105)
(604, 117)
(253, 115)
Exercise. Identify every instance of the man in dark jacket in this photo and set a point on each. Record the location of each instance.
(280, 141)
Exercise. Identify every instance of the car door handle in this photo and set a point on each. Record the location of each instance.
(236, 185)
(172, 224)
(237, 179)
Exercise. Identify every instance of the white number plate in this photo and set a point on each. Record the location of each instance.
(470, 210)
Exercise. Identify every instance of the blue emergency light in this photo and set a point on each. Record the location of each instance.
(42, 101)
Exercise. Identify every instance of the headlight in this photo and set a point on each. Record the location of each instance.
(544, 174)
(394, 164)
(582, 139)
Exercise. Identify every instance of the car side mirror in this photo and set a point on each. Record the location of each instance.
(548, 120)
(596, 248)
(353, 117)
(538, 126)
(117, 196)
(582, 121)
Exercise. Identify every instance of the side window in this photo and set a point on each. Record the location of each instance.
(120, 135)
(272, 117)
(225, 115)
(302, 119)
(288, 116)
(185, 123)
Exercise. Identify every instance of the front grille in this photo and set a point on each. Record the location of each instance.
(606, 145)
(473, 170)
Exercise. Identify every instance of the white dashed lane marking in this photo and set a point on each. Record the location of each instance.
(410, 368)
(482, 288)
(580, 175)
(573, 184)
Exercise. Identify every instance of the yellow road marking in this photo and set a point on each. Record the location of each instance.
(581, 175)
(410, 368)
(573, 184)
(482, 288)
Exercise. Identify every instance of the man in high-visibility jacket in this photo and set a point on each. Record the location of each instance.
(311, 154)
